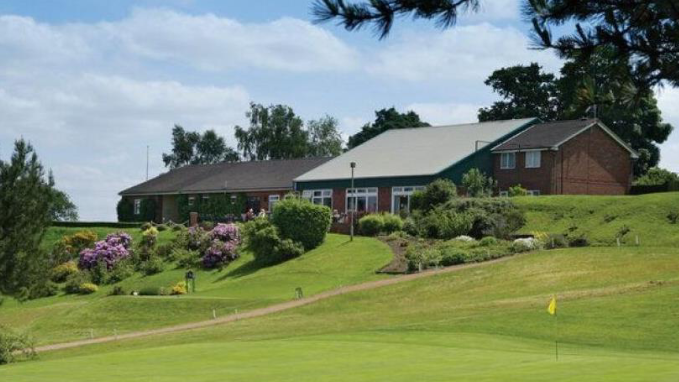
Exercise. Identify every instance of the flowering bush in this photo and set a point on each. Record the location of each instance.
(179, 288)
(197, 238)
(226, 232)
(109, 251)
(220, 252)
(527, 244)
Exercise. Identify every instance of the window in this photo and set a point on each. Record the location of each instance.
(234, 199)
(273, 199)
(504, 194)
(192, 200)
(323, 197)
(137, 206)
(507, 161)
(533, 192)
(205, 198)
(400, 198)
(362, 199)
(533, 159)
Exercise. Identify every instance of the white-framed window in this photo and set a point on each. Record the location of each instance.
(234, 198)
(400, 198)
(323, 197)
(192, 200)
(362, 199)
(507, 161)
(533, 192)
(137, 206)
(533, 159)
(273, 199)
(504, 194)
(205, 198)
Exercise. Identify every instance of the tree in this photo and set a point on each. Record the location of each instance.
(477, 185)
(385, 119)
(656, 177)
(324, 138)
(275, 132)
(25, 203)
(642, 34)
(190, 147)
(381, 13)
(583, 90)
(527, 92)
(435, 194)
(62, 208)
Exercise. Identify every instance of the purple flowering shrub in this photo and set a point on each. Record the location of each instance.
(109, 251)
(224, 245)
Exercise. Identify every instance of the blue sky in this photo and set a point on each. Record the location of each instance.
(92, 83)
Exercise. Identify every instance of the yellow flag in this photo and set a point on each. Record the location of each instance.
(552, 306)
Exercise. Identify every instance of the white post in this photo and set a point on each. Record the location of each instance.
(637, 240)
(214, 314)
(617, 240)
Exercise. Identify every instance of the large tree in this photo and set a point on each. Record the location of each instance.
(386, 119)
(191, 147)
(526, 91)
(275, 132)
(583, 90)
(324, 137)
(26, 199)
(644, 34)
(62, 208)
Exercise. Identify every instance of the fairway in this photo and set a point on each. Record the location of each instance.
(393, 356)
(618, 314)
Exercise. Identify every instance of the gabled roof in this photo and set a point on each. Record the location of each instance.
(414, 152)
(227, 177)
(551, 135)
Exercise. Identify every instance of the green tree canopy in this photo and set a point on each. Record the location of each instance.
(26, 200)
(582, 90)
(644, 35)
(62, 208)
(385, 119)
(191, 147)
(324, 137)
(656, 177)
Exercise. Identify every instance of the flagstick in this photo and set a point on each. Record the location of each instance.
(556, 335)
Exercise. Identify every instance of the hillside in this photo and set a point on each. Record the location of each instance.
(240, 286)
(603, 218)
(617, 321)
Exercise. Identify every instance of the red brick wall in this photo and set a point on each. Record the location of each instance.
(530, 178)
(592, 163)
(384, 199)
(339, 200)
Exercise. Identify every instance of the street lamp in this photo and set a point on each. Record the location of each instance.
(353, 166)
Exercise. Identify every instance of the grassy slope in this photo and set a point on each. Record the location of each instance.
(602, 217)
(618, 315)
(239, 286)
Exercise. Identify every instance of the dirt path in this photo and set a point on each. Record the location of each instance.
(269, 309)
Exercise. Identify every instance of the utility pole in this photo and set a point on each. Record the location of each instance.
(147, 162)
(353, 192)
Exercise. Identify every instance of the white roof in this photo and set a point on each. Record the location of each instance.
(413, 152)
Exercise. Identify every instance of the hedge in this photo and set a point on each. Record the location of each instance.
(80, 224)
(302, 221)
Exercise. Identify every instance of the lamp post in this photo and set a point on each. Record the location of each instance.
(353, 166)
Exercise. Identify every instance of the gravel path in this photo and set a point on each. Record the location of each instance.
(267, 310)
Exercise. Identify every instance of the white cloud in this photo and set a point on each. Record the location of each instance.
(464, 54)
(668, 101)
(445, 113)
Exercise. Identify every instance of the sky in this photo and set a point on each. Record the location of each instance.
(91, 84)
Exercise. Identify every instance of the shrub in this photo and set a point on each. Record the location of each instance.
(226, 232)
(117, 291)
(497, 217)
(488, 241)
(178, 227)
(164, 251)
(152, 266)
(580, 240)
(422, 256)
(554, 241)
(13, 345)
(371, 225)
(477, 184)
(87, 288)
(79, 241)
(464, 239)
(179, 288)
(517, 191)
(146, 226)
(121, 271)
(624, 230)
(262, 239)
(61, 272)
(524, 245)
(302, 221)
(436, 193)
(452, 256)
(220, 253)
(186, 258)
(74, 281)
(392, 223)
(109, 251)
(44, 288)
(445, 224)
(162, 227)
(410, 226)
(151, 291)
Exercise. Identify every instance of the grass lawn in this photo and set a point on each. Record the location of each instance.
(238, 286)
(618, 314)
(603, 218)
